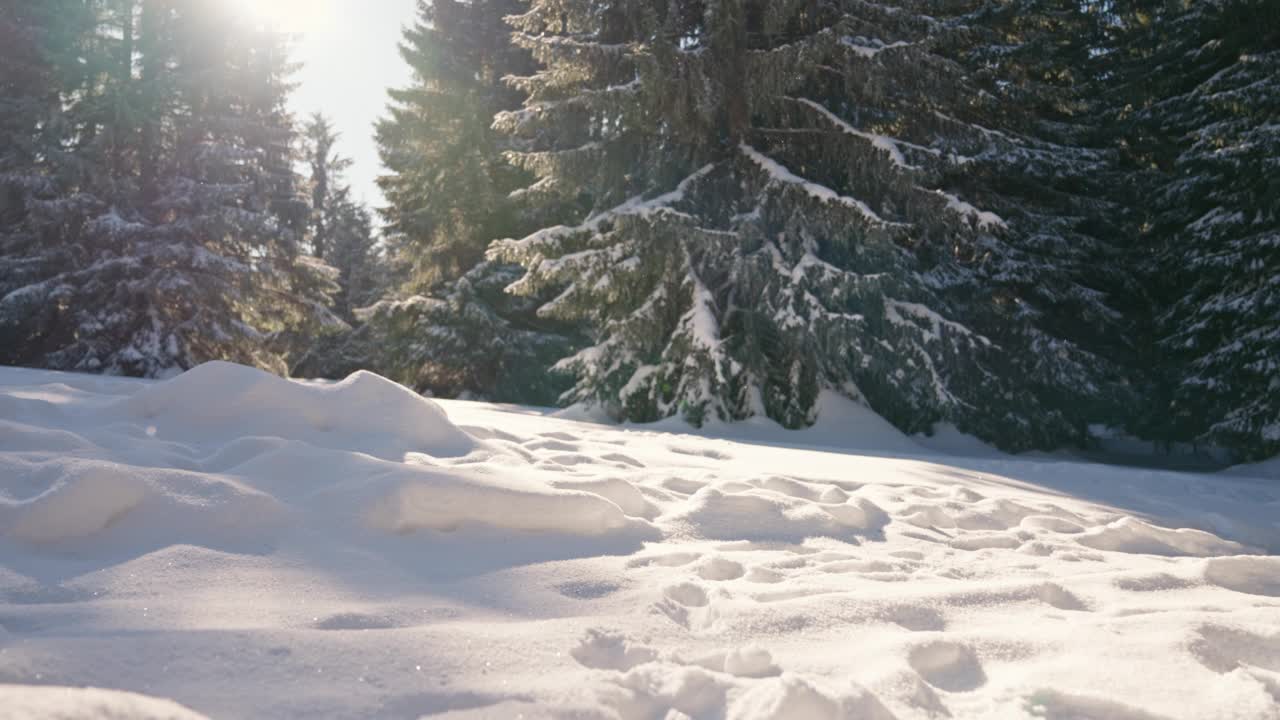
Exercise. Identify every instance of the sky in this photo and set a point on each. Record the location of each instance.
(349, 51)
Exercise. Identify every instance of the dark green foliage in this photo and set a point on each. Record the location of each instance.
(448, 327)
(341, 229)
(447, 183)
(168, 200)
(791, 197)
(1208, 126)
(1028, 218)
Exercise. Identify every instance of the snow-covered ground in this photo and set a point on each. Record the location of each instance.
(248, 547)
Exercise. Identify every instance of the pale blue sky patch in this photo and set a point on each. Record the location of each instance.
(350, 55)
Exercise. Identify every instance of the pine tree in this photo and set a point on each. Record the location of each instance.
(342, 235)
(181, 222)
(53, 159)
(341, 229)
(786, 198)
(447, 327)
(447, 183)
(1208, 124)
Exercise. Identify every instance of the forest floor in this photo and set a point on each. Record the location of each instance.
(231, 545)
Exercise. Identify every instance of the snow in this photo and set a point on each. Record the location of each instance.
(63, 703)
(870, 47)
(882, 142)
(637, 206)
(229, 544)
(984, 218)
(781, 174)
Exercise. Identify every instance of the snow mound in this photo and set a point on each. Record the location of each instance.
(792, 696)
(443, 502)
(1255, 575)
(726, 513)
(227, 456)
(1131, 535)
(88, 498)
(364, 413)
(226, 533)
(64, 703)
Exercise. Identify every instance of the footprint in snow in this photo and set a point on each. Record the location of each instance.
(1224, 649)
(687, 594)
(720, 569)
(1060, 598)
(948, 666)
(1251, 574)
(687, 605)
(915, 618)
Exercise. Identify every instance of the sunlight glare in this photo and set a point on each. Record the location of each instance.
(298, 17)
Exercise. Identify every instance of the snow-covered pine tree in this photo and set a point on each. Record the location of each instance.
(57, 73)
(185, 247)
(789, 197)
(1210, 118)
(1065, 261)
(448, 328)
(28, 102)
(342, 235)
(447, 182)
(327, 169)
(341, 229)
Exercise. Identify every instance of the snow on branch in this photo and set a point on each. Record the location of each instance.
(781, 174)
(892, 146)
(870, 47)
(636, 206)
(985, 218)
(897, 310)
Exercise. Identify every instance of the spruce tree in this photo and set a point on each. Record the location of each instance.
(58, 75)
(446, 182)
(1208, 125)
(785, 198)
(447, 327)
(181, 222)
(341, 229)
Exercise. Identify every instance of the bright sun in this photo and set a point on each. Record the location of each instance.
(300, 17)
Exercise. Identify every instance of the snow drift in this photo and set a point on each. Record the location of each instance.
(224, 455)
(224, 535)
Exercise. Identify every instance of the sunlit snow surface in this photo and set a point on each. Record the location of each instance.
(246, 547)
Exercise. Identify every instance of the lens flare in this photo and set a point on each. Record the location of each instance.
(298, 17)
